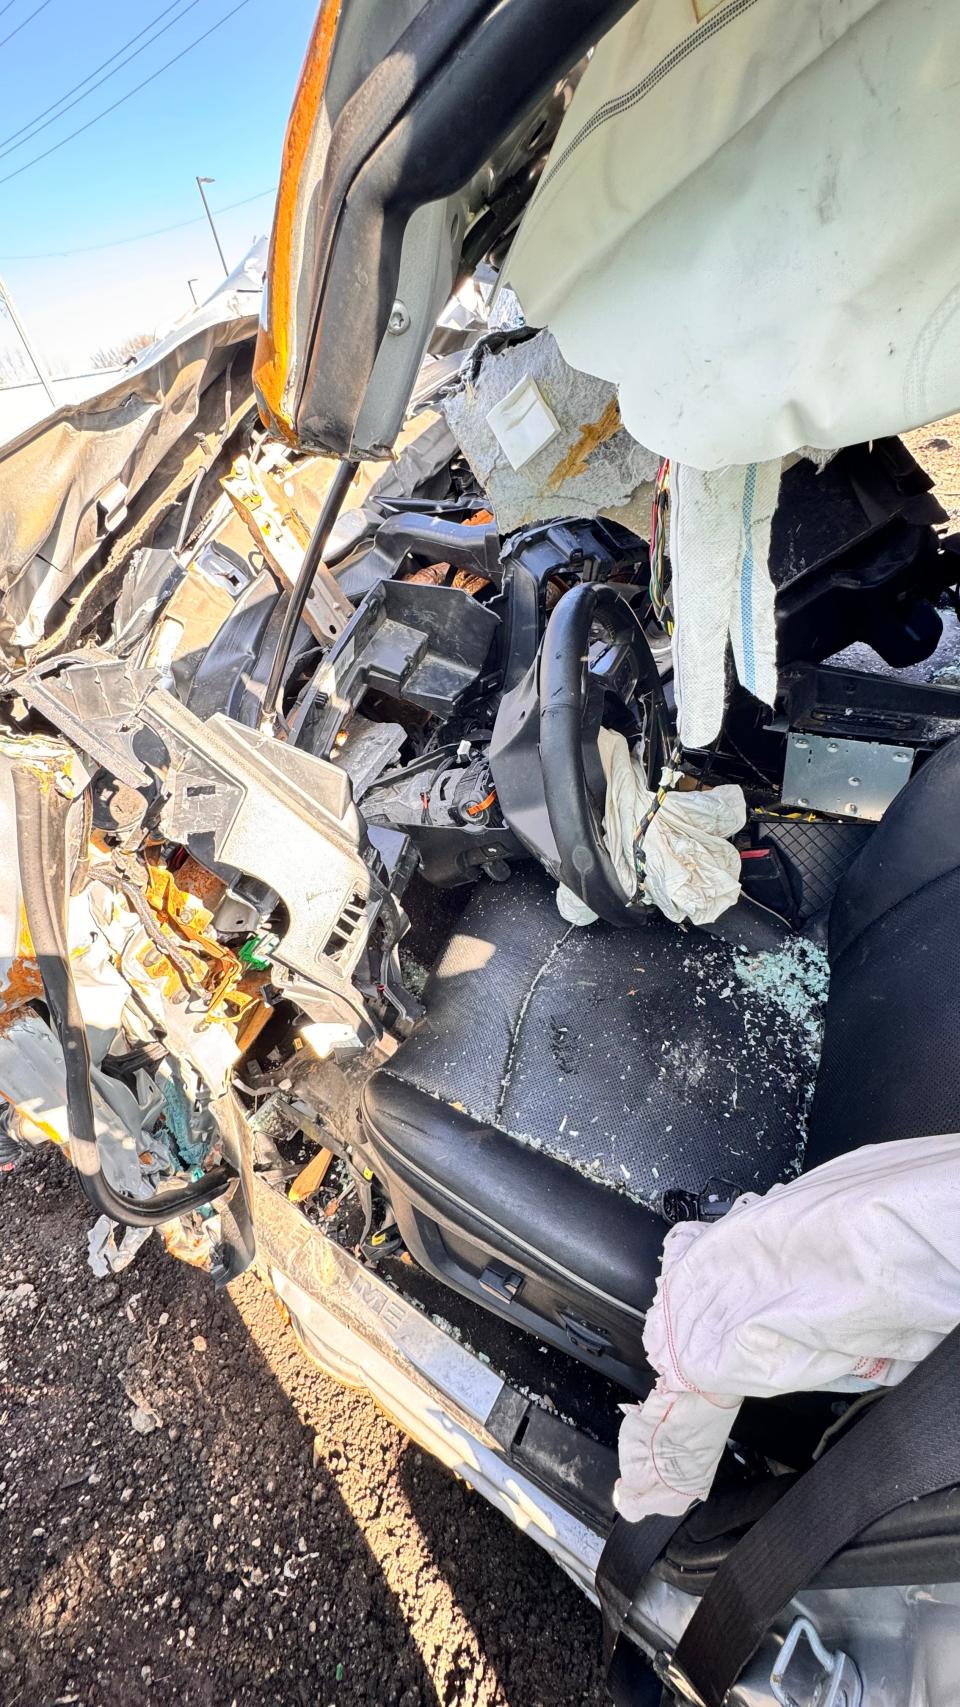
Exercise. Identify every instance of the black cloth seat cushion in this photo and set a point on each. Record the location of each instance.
(889, 1066)
(637, 1058)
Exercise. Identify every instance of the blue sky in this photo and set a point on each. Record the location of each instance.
(220, 111)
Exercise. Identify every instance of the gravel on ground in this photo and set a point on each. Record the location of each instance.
(191, 1513)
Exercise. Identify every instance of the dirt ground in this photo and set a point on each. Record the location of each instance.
(271, 1539)
(937, 449)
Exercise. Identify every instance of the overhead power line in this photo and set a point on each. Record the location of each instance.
(24, 22)
(139, 236)
(34, 125)
(129, 94)
(12, 145)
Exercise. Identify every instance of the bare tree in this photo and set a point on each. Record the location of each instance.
(118, 355)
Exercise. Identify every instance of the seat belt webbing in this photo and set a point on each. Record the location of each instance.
(630, 1552)
(904, 1446)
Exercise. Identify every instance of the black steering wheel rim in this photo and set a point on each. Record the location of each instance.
(585, 865)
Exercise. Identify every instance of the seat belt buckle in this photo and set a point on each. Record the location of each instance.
(806, 1674)
(715, 1200)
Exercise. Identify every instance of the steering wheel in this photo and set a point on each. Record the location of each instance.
(596, 668)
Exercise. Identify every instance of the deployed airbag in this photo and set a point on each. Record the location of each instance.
(748, 224)
(691, 871)
(720, 548)
(843, 1279)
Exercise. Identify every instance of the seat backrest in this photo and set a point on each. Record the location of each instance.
(916, 842)
(890, 1066)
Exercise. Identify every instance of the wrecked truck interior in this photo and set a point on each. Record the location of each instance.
(452, 846)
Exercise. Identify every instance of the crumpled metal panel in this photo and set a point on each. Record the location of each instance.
(53, 474)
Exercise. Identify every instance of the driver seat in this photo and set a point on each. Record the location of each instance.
(564, 1082)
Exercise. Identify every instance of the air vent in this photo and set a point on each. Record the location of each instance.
(346, 927)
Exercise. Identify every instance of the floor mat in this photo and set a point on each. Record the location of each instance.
(819, 853)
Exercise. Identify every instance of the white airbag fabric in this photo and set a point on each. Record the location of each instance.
(719, 549)
(691, 870)
(843, 1279)
(748, 224)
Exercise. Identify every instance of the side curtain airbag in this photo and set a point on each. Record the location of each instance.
(748, 224)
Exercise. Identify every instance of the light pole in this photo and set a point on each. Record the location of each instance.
(190, 285)
(6, 301)
(206, 209)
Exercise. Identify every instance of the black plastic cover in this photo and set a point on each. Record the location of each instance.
(400, 143)
(421, 644)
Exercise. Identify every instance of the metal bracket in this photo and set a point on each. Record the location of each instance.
(851, 779)
(675, 1683)
(817, 1677)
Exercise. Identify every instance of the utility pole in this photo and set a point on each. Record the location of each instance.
(38, 363)
(206, 209)
(190, 285)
